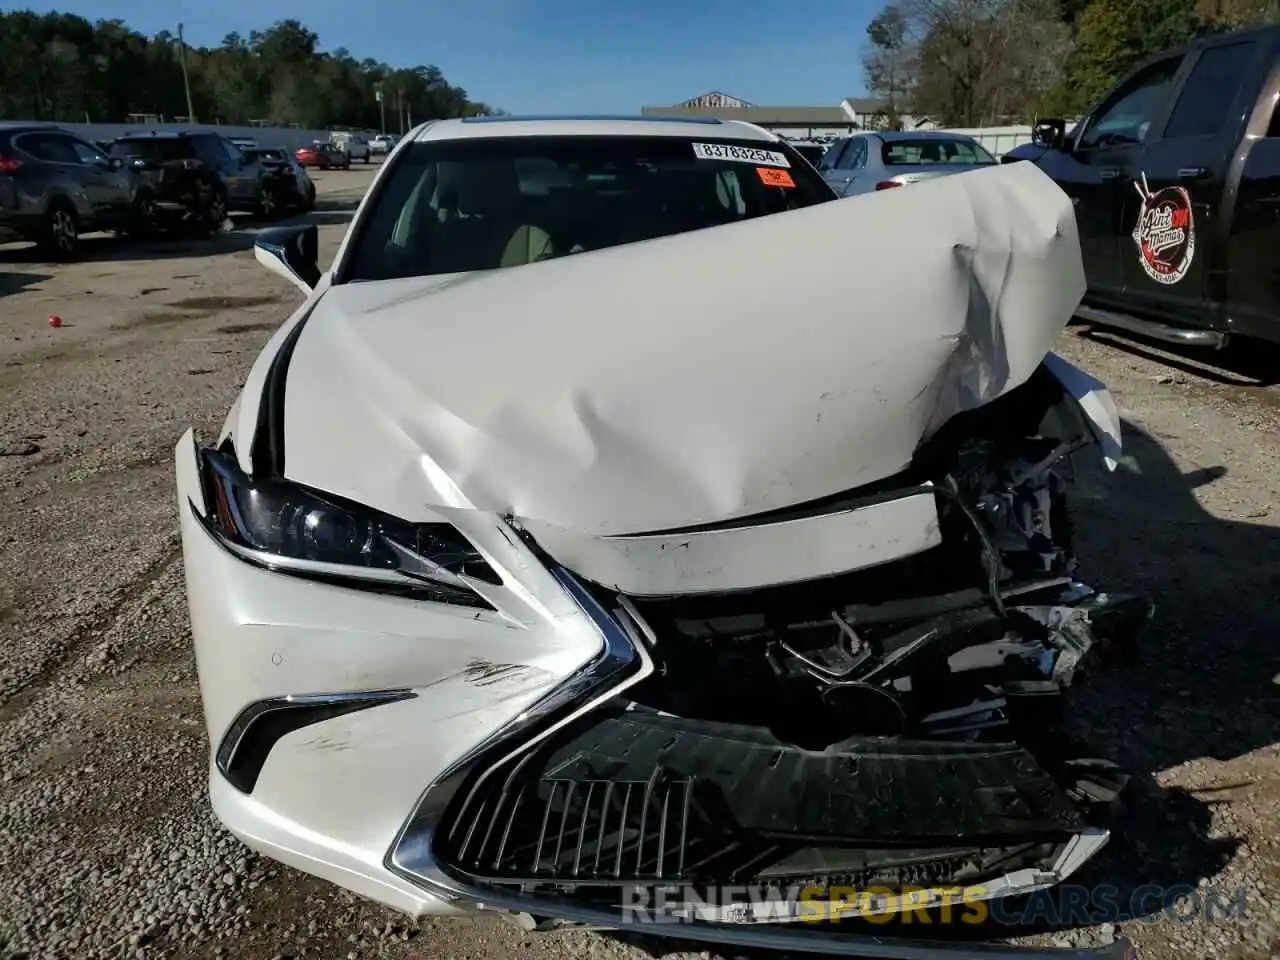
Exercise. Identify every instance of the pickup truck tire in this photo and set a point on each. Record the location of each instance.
(59, 236)
(367, 158)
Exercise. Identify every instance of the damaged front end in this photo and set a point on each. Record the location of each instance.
(900, 724)
(441, 667)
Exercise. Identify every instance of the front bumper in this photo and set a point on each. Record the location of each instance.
(355, 796)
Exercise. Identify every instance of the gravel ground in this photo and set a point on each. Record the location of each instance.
(107, 846)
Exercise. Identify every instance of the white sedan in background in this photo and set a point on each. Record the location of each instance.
(551, 556)
(867, 162)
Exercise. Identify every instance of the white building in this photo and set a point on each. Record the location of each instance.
(853, 113)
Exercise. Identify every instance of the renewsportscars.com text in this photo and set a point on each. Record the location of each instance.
(1071, 904)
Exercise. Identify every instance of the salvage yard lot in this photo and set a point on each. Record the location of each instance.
(106, 840)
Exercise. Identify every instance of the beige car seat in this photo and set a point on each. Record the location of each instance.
(485, 228)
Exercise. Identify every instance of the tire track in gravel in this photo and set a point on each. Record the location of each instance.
(85, 629)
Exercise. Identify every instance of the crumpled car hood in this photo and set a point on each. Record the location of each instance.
(692, 379)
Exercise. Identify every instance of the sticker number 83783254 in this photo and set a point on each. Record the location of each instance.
(729, 151)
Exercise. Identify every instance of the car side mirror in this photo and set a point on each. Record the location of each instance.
(1051, 133)
(292, 253)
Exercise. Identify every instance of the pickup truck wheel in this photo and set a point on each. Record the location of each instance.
(60, 232)
(367, 158)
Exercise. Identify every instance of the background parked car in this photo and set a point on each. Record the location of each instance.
(383, 144)
(286, 179)
(55, 186)
(354, 145)
(198, 177)
(867, 162)
(811, 150)
(324, 155)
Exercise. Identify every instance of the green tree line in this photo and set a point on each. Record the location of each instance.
(971, 63)
(60, 67)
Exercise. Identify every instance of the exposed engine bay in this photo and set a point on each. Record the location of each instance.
(898, 725)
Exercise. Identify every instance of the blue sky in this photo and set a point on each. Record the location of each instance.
(538, 56)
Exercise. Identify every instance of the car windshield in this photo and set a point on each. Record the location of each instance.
(154, 148)
(934, 150)
(456, 206)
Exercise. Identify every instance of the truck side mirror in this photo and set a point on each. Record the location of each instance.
(1050, 133)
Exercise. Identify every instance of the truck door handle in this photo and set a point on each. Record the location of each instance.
(1191, 173)
(1111, 173)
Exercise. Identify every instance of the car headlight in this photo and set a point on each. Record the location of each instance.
(289, 528)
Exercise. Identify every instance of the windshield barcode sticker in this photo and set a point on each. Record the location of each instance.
(729, 151)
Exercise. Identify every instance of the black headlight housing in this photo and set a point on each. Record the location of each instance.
(296, 530)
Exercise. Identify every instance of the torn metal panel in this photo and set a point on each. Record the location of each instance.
(1096, 403)
(647, 387)
(746, 557)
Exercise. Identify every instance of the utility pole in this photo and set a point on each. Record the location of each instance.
(382, 105)
(186, 80)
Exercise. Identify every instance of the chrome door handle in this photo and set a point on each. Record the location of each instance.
(1191, 173)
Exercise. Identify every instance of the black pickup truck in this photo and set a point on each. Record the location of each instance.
(1175, 176)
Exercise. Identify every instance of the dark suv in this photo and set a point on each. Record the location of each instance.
(198, 177)
(55, 186)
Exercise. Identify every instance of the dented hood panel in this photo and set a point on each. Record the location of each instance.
(691, 379)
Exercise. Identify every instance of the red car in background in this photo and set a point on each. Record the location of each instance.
(326, 156)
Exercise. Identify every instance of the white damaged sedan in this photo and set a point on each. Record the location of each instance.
(624, 530)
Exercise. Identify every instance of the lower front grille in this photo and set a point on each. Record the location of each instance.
(641, 798)
(586, 830)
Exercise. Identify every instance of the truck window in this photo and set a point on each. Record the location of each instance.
(1204, 106)
(1125, 116)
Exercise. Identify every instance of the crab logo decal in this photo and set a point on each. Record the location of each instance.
(1164, 232)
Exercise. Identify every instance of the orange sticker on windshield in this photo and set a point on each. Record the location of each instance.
(773, 177)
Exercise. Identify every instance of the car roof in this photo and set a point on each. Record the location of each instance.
(891, 136)
(687, 128)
